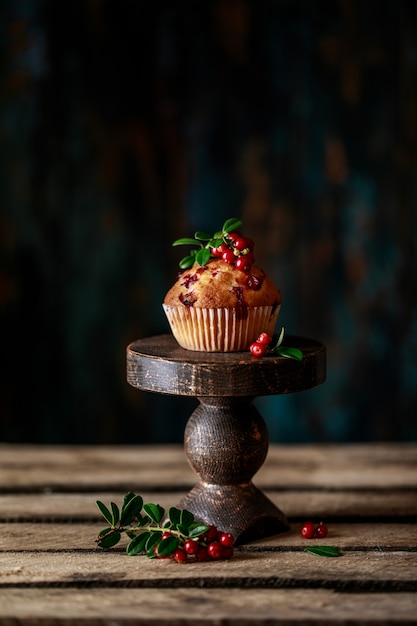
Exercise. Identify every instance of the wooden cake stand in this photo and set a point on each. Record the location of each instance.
(226, 439)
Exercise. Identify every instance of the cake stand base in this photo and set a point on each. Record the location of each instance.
(226, 438)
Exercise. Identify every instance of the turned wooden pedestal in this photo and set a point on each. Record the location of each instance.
(226, 439)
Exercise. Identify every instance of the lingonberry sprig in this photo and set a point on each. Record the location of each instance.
(227, 244)
(179, 537)
(262, 347)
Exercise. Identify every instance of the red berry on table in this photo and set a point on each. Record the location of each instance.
(160, 556)
(321, 531)
(308, 530)
(202, 554)
(215, 550)
(257, 349)
(226, 539)
(166, 534)
(227, 552)
(210, 534)
(191, 546)
(264, 338)
(180, 555)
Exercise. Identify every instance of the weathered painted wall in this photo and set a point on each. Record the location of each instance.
(126, 124)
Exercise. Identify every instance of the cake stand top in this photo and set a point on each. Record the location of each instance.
(160, 365)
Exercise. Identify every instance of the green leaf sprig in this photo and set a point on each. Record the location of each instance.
(286, 351)
(144, 525)
(205, 243)
(327, 551)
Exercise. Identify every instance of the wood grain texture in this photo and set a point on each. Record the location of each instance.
(80, 536)
(321, 466)
(371, 570)
(300, 504)
(52, 573)
(196, 607)
(159, 364)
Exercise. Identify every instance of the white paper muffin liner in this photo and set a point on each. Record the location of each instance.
(220, 330)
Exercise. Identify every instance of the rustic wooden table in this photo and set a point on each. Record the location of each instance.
(52, 573)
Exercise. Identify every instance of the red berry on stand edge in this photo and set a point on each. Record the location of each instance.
(265, 339)
(257, 349)
(308, 530)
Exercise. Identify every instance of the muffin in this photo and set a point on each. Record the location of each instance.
(221, 301)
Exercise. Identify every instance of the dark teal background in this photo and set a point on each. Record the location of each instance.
(126, 124)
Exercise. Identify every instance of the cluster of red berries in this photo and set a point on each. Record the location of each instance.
(211, 545)
(309, 530)
(259, 347)
(236, 250)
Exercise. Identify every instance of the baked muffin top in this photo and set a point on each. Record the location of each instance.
(219, 284)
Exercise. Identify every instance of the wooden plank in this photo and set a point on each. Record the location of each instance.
(297, 505)
(27, 467)
(160, 365)
(202, 607)
(353, 571)
(37, 537)
(373, 466)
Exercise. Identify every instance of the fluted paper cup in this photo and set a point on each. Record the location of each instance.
(220, 330)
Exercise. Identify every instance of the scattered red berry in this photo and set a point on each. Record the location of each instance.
(308, 530)
(191, 546)
(202, 554)
(226, 539)
(166, 534)
(227, 552)
(211, 534)
(160, 556)
(215, 550)
(180, 555)
(321, 531)
(178, 539)
(257, 349)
